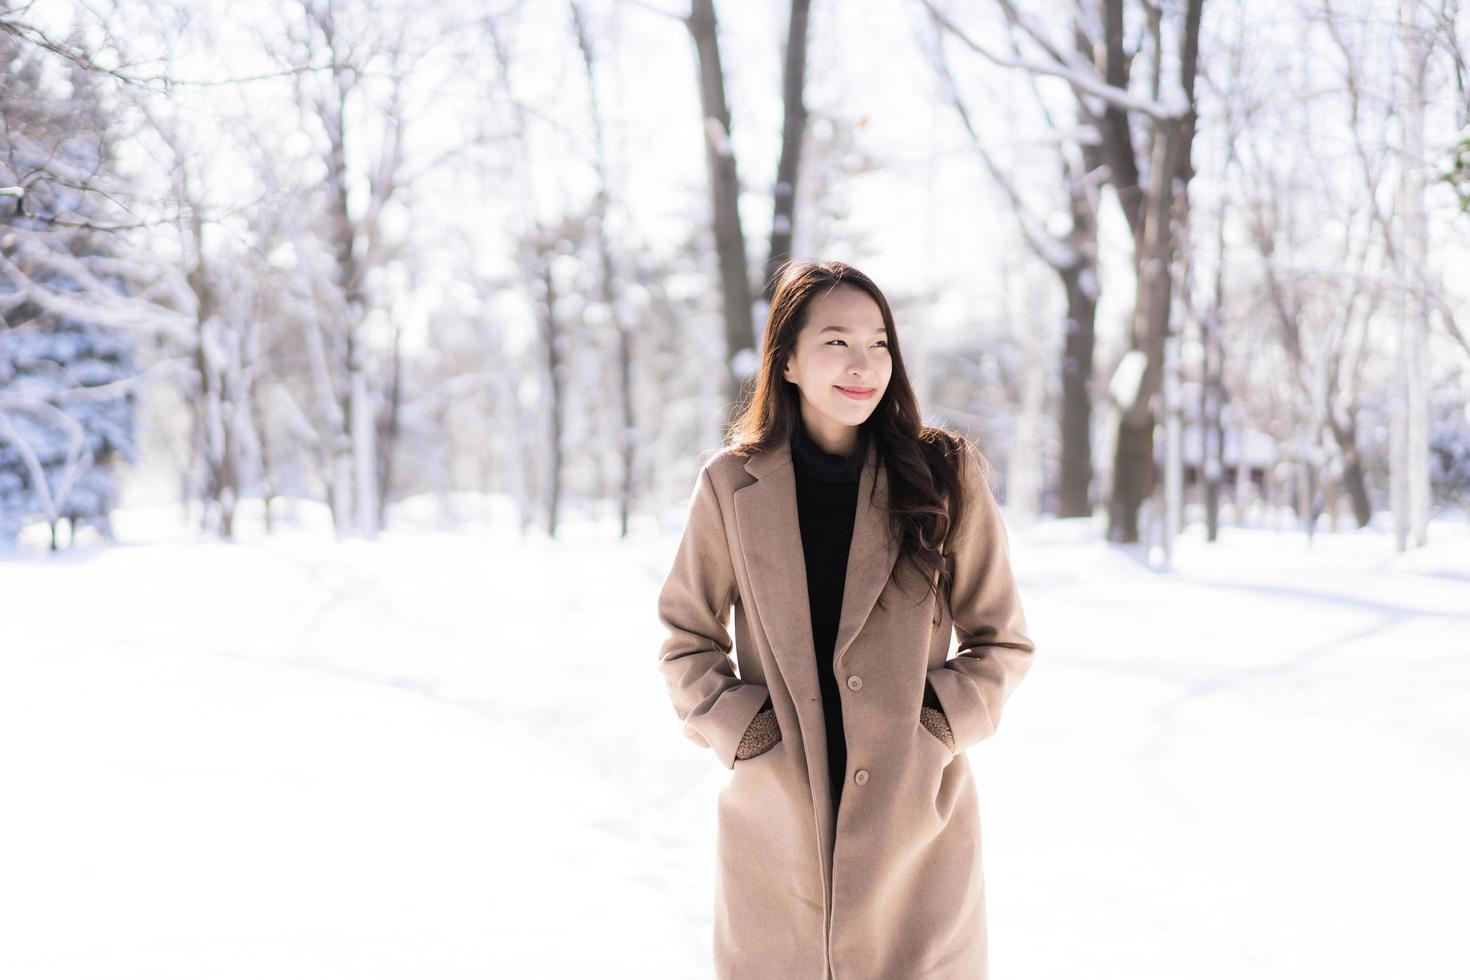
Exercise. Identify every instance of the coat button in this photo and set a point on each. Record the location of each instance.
(860, 777)
(854, 682)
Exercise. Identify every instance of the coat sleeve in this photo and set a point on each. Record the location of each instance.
(994, 651)
(694, 604)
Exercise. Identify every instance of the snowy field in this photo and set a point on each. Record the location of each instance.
(449, 754)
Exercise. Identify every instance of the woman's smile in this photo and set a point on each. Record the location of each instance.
(858, 393)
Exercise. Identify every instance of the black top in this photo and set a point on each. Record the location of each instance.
(826, 498)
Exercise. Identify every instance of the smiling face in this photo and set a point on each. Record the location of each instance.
(841, 363)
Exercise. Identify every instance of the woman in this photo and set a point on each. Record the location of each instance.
(851, 540)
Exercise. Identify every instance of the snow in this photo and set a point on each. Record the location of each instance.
(293, 758)
(1055, 251)
(1172, 96)
(1128, 377)
(1087, 281)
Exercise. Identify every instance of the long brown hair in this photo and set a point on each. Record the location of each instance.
(925, 492)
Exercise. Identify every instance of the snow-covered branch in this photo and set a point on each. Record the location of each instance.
(1085, 81)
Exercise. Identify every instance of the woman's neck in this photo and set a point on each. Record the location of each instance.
(818, 464)
(835, 440)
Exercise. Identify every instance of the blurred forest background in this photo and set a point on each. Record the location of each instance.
(385, 341)
(1167, 261)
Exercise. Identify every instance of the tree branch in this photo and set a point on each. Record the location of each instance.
(1084, 83)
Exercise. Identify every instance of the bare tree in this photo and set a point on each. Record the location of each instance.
(736, 296)
(1071, 256)
(362, 426)
(610, 283)
(1165, 114)
(1403, 231)
(539, 243)
(741, 341)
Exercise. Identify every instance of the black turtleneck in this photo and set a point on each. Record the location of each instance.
(826, 499)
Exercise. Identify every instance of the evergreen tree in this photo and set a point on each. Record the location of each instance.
(65, 420)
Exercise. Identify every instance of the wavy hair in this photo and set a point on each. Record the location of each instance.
(926, 494)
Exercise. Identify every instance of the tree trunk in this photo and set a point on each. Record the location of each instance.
(1411, 418)
(1173, 512)
(364, 452)
(741, 342)
(793, 132)
(1169, 166)
(1133, 468)
(1075, 492)
(1211, 427)
(550, 329)
(389, 426)
(1133, 476)
(1346, 435)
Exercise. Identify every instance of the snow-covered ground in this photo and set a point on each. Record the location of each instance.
(449, 754)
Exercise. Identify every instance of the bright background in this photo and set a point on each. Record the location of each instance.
(293, 758)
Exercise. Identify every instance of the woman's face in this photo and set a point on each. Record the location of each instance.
(842, 365)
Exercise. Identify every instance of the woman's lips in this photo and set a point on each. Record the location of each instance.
(858, 393)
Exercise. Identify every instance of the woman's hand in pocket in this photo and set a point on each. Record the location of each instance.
(762, 733)
(938, 725)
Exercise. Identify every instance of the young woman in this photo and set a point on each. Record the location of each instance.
(852, 541)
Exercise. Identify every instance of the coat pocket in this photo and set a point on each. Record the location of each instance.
(941, 779)
(762, 757)
(935, 745)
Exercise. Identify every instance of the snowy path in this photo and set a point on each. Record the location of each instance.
(294, 759)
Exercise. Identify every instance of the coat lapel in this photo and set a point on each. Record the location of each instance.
(871, 556)
(769, 529)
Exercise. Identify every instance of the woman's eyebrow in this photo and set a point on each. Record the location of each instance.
(841, 329)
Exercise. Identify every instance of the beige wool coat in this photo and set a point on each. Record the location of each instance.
(892, 888)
